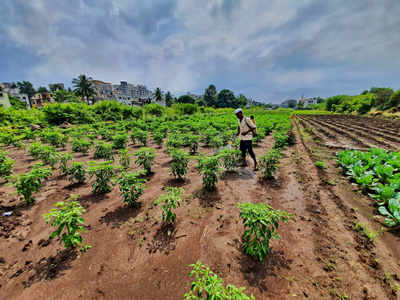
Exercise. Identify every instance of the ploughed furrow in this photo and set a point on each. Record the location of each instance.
(333, 140)
(354, 139)
(374, 131)
(379, 142)
(384, 126)
(335, 242)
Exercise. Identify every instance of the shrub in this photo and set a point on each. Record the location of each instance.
(31, 182)
(179, 164)
(73, 113)
(207, 285)
(6, 164)
(131, 187)
(154, 109)
(67, 218)
(120, 140)
(145, 158)
(104, 150)
(209, 168)
(104, 173)
(80, 145)
(124, 158)
(269, 162)
(77, 172)
(170, 200)
(261, 223)
(229, 158)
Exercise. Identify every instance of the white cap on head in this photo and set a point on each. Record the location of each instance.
(238, 110)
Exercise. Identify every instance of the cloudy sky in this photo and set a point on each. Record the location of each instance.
(268, 50)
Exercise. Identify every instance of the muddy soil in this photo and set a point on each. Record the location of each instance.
(319, 256)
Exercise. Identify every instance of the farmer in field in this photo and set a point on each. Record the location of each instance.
(246, 130)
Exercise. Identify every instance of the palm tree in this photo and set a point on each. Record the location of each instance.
(168, 99)
(83, 87)
(158, 94)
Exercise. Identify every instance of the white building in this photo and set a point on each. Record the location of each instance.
(308, 101)
(12, 90)
(4, 101)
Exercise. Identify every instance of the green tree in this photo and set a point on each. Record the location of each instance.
(158, 94)
(25, 87)
(56, 87)
(240, 101)
(64, 96)
(395, 99)
(226, 98)
(210, 95)
(16, 102)
(83, 87)
(168, 99)
(186, 99)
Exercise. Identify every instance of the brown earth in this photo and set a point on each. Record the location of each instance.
(319, 255)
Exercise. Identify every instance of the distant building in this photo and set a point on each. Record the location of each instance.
(4, 101)
(56, 86)
(291, 103)
(39, 99)
(103, 89)
(308, 101)
(12, 90)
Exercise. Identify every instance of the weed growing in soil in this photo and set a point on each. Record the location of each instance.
(207, 285)
(320, 165)
(66, 217)
(179, 165)
(145, 158)
(77, 172)
(269, 162)
(31, 182)
(261, 223)
(170, 200)
(131, 187)
(104, 173)
(367, 232)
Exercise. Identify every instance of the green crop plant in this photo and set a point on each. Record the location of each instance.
(132, 187)
(81, 145)
(64, 159)
(194, 144)
(104, 173)
(54, 137)
(67, 218)
(140, 136)
(35, 149)
(6, 164)
(103, 150)
(31, 182)
(366, 231)
(269, 163)
(229, 159)
(124, 158)
(209, 168)
(179, 164)
(49, 155)
(77, 172)
(170, 201)
(208, 135)
(159, 138)
(120, 140)
(261, 223)
(281, 140)
(208, 286)
(145, 157)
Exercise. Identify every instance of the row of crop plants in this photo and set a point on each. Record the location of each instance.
(377, 171)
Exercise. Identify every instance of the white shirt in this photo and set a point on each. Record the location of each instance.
(244, 126)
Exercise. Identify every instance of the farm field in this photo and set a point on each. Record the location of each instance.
(334, 245)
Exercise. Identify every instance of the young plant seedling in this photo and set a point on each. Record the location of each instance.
(77, 172)
(104, 150)
(170, 200)
(67, 218)
(229, 159)
(132, 187)
(209, 168)
(104, 173)
(145, 157)
(269, 162)
(179, 164)
(124, 158)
